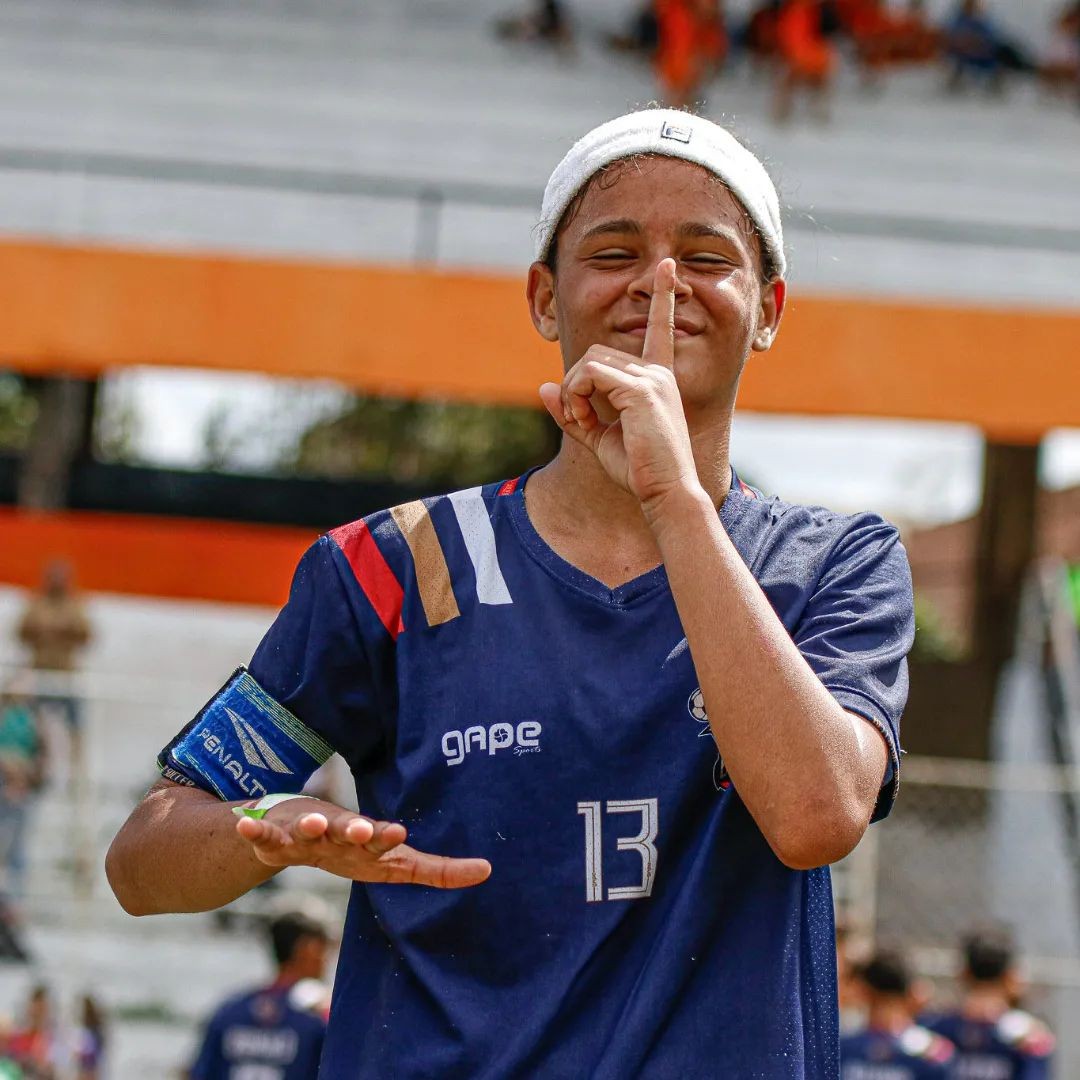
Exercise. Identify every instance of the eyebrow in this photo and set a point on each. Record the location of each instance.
(694, 229)
(619, 225)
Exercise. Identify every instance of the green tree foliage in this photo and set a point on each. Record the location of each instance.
(933, 639)
(18, 410)
(423, 441)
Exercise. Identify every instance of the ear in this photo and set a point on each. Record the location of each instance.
(773, 298)
(540, 291)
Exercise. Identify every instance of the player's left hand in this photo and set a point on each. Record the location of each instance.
(646, 450)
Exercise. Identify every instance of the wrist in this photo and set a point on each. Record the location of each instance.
(676, 505)
(258, 808)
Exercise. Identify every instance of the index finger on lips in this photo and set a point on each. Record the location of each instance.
(660, 331)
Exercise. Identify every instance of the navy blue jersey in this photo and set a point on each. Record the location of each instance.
(1017, 1046)
(502, 703)
(914, 1054)
(260, 1035)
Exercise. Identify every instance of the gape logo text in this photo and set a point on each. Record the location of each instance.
(523, 739)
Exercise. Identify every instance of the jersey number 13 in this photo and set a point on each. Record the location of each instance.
(644, 843)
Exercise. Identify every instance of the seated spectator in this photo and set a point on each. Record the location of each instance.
(807, 58)
(1060, 67)
(22, 772)
(546, 23)
(884, 36)
(992, 1036)
(34, 1044)
(759, 33)
(893, 1044)
(691, 47)
(976, 46)
(90, 1040)
(643, 35)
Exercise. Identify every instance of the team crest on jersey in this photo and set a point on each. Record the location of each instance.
(696, 706)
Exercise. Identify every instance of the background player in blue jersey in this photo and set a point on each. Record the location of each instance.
(265, 1034)
(892, 1046)
(636, 704)
(995, 1040)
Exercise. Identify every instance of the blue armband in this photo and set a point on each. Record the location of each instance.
(243, 745)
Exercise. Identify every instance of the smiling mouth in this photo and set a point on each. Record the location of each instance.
(639, 332)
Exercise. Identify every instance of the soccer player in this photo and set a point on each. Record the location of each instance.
(266, 1032)
(635, 704)
(993, 1037)
(893, 1046)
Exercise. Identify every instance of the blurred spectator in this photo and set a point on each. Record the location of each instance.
(759, 35)
(849, 988)
(643, 35)
(691, 46)
(34, 1045)
(89, 1040)
(976, 46)
(546, 23)
(22, 772)
(992, 1036)
(273, 1030)
(893, 1044)
(54, 627)
(807, 57)
(884, 36)
(1060, 67)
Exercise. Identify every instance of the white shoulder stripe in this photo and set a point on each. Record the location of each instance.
(475, 524)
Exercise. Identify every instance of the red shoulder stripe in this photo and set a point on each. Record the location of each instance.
(373, 573)
(509, 487)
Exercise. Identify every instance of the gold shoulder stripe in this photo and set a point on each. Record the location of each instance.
(432, 573)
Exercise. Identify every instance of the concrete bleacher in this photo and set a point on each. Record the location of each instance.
(911, 192)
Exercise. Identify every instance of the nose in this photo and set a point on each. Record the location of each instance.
(641, 288)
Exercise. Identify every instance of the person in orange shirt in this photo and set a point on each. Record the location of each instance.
(808, 60)
(692, 45)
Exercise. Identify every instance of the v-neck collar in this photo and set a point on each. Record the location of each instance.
(570, 575)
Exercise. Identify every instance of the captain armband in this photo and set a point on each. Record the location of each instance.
(244, 745)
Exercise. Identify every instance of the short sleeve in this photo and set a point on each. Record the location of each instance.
(308, 691)
(857, 630)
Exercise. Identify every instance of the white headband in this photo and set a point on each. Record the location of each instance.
(670, 133)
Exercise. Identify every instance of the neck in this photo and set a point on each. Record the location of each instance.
(889, 1016)
(986, 1002)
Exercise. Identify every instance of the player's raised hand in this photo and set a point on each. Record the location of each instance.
(647, 448)
(307, 832)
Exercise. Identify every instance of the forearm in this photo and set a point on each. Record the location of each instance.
(807, 770)
(179, 851)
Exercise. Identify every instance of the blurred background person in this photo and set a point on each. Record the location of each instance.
(1059, 69)
(546, 23)
(273, 1028)
(992, 1035)
(90, 1039)
(978, 48)
(807, 58)
(23, 759)
(34, 1044)
(892, 1045)
(692, 44)
(55, 628)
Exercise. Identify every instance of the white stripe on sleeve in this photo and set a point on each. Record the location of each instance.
(475, 524)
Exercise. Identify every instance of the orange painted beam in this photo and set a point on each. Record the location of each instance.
(146, 556)
(425, 332)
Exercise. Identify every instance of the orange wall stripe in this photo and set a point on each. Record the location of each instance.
(170, 557)
(424, 332)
